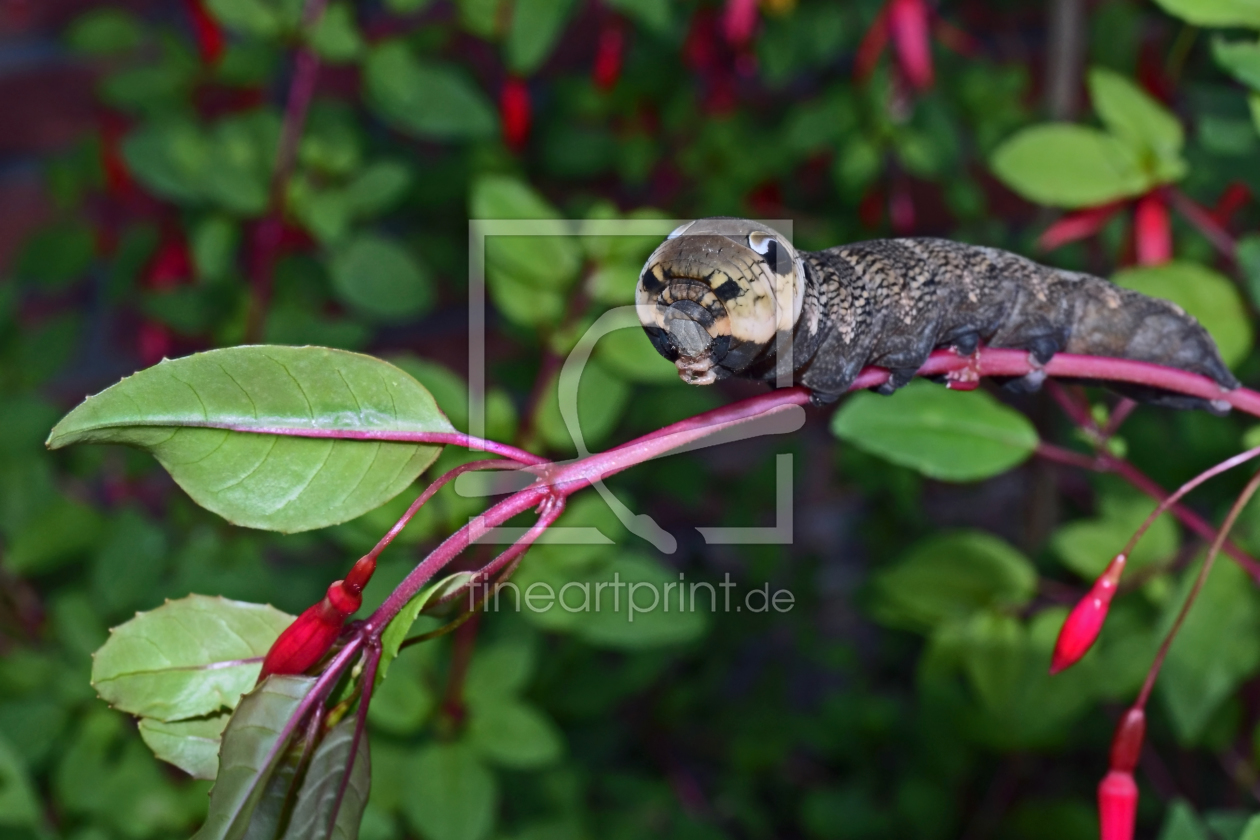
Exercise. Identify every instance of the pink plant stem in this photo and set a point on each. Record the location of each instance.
(1131, 474)
(1204, 221)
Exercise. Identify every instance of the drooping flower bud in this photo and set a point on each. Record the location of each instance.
(1152, 230)
(739, 19)
(311, 635)
(1080, 630)
(1117, 805)
(1077, 225)
(1126, 744)
(908, 26)
(608, 55)
(514, 111)
(210, 40)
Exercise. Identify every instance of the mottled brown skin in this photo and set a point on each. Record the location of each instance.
(892, 302)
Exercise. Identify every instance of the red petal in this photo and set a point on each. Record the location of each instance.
(169, 266)
(303, 642)
(873, 43)
(514, 110)
(908, 26)
(1080, 630)
(210, 40)
(1077, 225)
(1152, 230)
(608, 57)
(1117, 805)
(1235, 196)
(739, 19)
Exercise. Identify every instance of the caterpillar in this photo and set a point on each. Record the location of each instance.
(724, 297)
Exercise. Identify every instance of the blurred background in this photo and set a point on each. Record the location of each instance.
(178, 176)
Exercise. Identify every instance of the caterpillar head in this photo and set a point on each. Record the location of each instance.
(716, 293)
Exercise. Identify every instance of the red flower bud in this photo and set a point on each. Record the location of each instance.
(1117, 805)
(514, 111)
(171, 264)
(311, 635)
(739, 19)
(1083, 624)
(873, 43)
(1126, 744)
(1077, 225)
(608, 55)
(908, 26)
(210, 41)
(1152, 230)
(1231, 201)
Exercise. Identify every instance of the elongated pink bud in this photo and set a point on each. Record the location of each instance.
(1117, 805)
(311, 635)
(1077, 225)
(908, 27)
(1152, 230)
(1083, 624)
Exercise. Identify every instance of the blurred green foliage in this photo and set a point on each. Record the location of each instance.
(905, 694)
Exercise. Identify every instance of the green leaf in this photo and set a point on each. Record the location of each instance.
(191, 745)
(482, 18)
(454, 796)
(549, 258)
(240, 161)
(19, 805)
(250, 754)
(378, 188)
(1182, 823)
(994, 647)
(57, 255)
(1252, 830)
(277, 482)
(535, 27)
(948, 435)
(128, 567)
(187, 658)
(601, 398)
(1087, 546)
(1241, 59)
(1069, 166)
(1214, 12)
(213, 243)
(399, 627)
(949, 577)
(429, 100)
(381, 279)
(1217, 648)
(655, 15)
(1208, 296)
(105, 31)
(1135, 117)
(321, 789)
(406, 7)
(514, 734)
(171, 157)
(56, 535)
(1248, 255)
(501, 669)
(336, 36)
(255, 17)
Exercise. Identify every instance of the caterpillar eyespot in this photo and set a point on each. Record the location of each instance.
(718, 297)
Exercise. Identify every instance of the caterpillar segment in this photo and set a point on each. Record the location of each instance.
(726, 297)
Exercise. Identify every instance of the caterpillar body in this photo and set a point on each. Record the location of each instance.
(728, 297)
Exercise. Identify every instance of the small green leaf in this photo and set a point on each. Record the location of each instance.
(191, 745)
(378, 188)
(454, 797)
(105, 31)
(336, 36)
(656, 15)
(1208, 296)
(19, 805)
(56, 535)
(629, 354)
(1086, 546)
(549, 258)
(535, 27)
(948, 435)
(1217, 648)
(399, 627)
(432, 101)
(57, 255)
(171, 157)
(213, 243)
(1248, 255)
(601, 397)
(187, 658)
(250, 754)
(277, 482)
(406, 7)
(322, 788)
(1252, 829)
(1182, 823)
(255, 17)
(1066, 165)
(1241, 59)
(240, 159)
(1214, 12)
(514, 734)
(993, 651)
(1134, 116)
(949, 577)
(381, 279)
